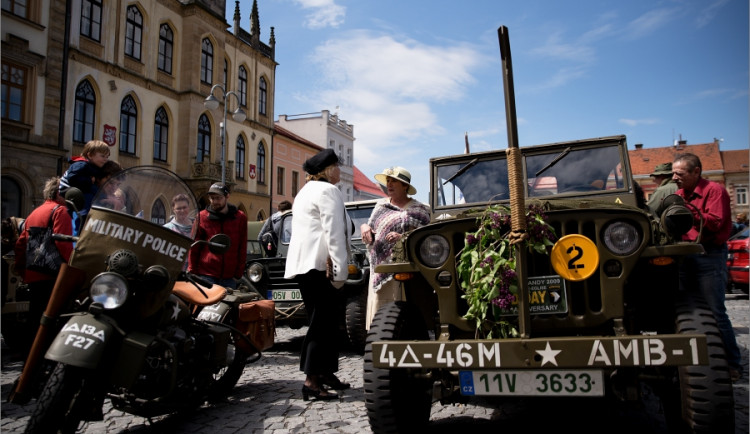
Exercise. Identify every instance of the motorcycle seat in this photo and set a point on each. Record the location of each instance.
(190, 293)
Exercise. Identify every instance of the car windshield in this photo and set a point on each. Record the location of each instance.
(359, 216)
(577, 169)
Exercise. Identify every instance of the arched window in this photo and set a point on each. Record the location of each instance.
(91, 19)
(242, 86)
(128, 125)
(84, 115)
(158, 213)
(207, 62)
(239, 159)
(166, 44)
(261, 163)
(161, 135)
(133, 32)
(262, 96)
(204, 139)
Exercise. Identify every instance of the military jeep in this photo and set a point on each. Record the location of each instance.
(599, 315)
(617, 320)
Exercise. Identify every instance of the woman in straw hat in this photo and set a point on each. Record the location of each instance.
(392, 217)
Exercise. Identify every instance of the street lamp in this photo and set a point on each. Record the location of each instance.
(238, 115)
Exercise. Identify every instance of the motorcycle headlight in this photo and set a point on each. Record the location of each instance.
(434, 250)
(109, 289)
(622, 238)
(255, 272)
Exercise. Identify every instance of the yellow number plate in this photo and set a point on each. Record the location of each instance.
(575, 257)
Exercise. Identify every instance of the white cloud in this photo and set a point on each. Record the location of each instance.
(325, 13)
(636, 122)
(389, 87)
(650, 22)
(708, 13)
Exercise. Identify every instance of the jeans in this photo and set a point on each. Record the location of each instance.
(706, 275)
(226, 283)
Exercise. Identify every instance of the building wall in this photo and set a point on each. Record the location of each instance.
(289, 153)
(115, 76)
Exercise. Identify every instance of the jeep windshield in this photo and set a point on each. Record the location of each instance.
(584, 168)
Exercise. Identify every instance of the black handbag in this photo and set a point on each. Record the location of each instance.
(42, 255)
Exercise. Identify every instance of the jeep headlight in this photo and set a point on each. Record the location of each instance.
(434, 251)
(109, 289)
(622, 238)
(255, 272)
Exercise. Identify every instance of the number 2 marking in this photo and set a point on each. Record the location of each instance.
(579, 254)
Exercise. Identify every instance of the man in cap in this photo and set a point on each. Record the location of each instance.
(665, 186)
(220, 217)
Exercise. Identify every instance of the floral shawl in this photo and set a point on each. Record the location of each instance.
(387, 218)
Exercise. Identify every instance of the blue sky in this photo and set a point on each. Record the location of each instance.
(414, 76)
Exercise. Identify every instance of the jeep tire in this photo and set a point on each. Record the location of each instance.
(699, 398)
(397, 400)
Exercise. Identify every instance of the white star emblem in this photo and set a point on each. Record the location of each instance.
(176, 312)
(548, 355)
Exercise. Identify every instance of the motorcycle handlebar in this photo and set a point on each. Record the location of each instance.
(62, 237)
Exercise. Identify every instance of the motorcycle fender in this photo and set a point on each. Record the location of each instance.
(81, 342)
(215, 312)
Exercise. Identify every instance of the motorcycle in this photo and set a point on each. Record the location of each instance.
(153, 338)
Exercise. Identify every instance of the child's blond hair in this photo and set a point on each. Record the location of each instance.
(93, 147)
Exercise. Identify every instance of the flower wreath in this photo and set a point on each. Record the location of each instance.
(487, 266)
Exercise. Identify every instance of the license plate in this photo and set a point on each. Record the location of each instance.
(532, 383)
(285, 295)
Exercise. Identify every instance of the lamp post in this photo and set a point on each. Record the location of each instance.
(238, 115)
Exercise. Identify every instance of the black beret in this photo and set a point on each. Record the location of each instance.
(320, 161)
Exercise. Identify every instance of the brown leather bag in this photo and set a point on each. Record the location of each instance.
(256, 321)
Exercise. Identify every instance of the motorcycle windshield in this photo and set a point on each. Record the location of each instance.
(137, 225)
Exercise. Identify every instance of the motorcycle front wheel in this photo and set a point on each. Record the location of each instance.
(57, 410)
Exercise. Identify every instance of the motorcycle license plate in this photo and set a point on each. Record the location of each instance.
(285, 295)
(532, 383)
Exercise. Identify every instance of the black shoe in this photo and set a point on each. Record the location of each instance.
(320, 394)
(333, 382)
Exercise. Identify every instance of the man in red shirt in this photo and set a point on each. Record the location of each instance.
(40, 285)
(706, 274)
(220, 217)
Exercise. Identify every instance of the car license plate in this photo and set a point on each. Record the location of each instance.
(532, 383)
(285, 295)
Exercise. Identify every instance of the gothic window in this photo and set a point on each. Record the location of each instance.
(207, 62)
(242, 86)
(166, 44)
(262, 96)
(161, 135)
(128, 125)
(239, 159)
(133, 32)
(204, 139)
(261, 164)
(84, 115)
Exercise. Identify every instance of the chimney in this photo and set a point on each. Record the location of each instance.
(639, 146)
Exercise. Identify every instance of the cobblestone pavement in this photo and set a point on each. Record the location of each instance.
(267, 399)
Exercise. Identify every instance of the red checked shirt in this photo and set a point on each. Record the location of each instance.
(709, 201)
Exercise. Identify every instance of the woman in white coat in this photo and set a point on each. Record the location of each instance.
(317, 261)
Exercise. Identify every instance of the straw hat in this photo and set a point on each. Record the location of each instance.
(399, 174)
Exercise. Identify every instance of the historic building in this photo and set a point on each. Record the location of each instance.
(327, 131)
(137, 74)
(289, 154)
(728, 168)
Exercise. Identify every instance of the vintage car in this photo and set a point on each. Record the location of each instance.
(265, 275)
(737, 260)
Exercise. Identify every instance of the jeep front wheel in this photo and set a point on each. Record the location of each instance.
(397, 400)
(700, 398)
